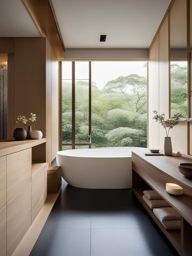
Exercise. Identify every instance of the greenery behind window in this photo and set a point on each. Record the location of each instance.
(179, 99)
(119, 105)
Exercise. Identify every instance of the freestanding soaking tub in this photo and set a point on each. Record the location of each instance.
(100, 168)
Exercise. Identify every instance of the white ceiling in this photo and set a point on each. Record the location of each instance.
(127, 23)
(15, 20)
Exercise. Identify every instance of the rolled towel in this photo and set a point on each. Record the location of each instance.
(172, 224)
(166, 213)
(169, 218)
(151, 194)
(155, 203)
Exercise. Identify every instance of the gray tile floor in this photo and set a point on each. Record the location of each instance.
(100, 223)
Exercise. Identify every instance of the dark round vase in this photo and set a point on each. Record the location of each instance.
(20, 134)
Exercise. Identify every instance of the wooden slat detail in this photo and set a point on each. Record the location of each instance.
(43, 16)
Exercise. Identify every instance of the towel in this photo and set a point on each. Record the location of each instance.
(151, 194)
(167, 213)
(172, 224)
(169, 218)
(155, 203)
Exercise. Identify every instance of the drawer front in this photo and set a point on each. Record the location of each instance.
(18, 197)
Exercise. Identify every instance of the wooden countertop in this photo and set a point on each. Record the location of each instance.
(168, 165)
(9, 147)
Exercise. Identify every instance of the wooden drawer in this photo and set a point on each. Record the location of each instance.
(18, 197)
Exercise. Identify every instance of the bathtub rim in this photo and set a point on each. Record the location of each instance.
(66, 153)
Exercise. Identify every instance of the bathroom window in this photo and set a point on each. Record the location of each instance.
(76, 104)
(104, 103)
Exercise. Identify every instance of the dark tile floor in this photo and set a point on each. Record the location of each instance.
(100, 223)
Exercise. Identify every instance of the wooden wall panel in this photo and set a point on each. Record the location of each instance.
(29, 79)
(190, 138)
(163, 75)
(55, 108)
(159, 93)
(33, 87)
(153, 95)
(48, 102)
(52, 103)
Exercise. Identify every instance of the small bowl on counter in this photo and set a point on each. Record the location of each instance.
(154, 151)
(186, 170)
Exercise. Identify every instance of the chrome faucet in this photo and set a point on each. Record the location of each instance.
(90, 138)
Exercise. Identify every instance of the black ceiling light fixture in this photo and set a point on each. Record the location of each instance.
(103, 38)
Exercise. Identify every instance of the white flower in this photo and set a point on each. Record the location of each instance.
(23, 120)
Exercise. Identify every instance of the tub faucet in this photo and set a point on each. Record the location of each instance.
(90, 139)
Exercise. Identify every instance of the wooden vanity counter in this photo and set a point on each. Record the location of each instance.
(9, 147)
(153, 172)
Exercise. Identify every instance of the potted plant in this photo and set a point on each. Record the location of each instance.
(168, 124)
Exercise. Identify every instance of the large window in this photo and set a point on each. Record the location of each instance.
(104, 104)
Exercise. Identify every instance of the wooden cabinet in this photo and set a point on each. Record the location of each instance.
(18, 197)
(153, 172)
(23, 190)
(2, 206)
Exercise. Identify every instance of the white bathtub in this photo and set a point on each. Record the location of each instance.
(100, 168)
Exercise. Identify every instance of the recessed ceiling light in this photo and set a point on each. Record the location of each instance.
(103, 38)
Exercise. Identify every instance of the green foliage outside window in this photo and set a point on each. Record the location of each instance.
(119, 113)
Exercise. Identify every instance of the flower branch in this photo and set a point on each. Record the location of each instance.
(21, 119)
(169, 123)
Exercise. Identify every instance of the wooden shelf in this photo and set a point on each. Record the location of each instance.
(167, 165)
(173, 236)
(154, 172)
(38, 166)
(156, 180)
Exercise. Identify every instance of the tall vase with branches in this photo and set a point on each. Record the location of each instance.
(167, 124)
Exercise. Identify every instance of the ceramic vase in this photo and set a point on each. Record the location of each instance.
(167, 146)
(20, 134)
(29, 129)
(36, 134)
